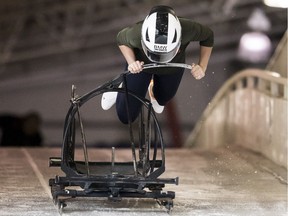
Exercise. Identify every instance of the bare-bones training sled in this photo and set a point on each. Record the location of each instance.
(114, 180)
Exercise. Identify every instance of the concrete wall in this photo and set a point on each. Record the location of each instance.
(249, 110)
(50, 98)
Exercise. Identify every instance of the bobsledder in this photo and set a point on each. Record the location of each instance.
(138, 178)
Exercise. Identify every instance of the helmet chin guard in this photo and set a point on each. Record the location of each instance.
(161, 35)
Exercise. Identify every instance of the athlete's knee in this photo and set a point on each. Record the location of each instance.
(124, 115)
(125, 118)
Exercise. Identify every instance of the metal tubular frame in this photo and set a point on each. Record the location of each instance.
(144, 183)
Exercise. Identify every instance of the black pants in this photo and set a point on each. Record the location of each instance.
(165, 88)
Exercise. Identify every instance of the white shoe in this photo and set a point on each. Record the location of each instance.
(109, 99)
(157, 108)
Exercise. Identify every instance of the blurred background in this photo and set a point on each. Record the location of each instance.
(48, 45)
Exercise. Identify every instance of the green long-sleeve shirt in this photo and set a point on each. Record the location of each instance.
(191, 31)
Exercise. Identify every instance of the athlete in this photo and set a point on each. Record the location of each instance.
(161, 38)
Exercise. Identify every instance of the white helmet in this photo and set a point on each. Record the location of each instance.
(161, 34)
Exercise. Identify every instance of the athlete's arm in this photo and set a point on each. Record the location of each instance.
(198, 70)
(134, 66)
